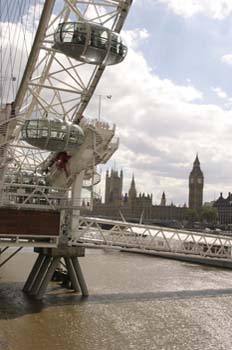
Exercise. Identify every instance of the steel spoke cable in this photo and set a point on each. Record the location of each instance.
(15, 55)
(9, 66)
(22, 52)
(20, 60)
(25, 48)
(9, 56)
(8, 50)
(1, 67)
(10, 21)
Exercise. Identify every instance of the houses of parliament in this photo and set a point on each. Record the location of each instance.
(139, 207)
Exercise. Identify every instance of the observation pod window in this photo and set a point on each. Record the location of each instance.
(52, 135)
(90, 43)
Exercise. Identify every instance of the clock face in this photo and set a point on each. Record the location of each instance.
(191, 180)
(199, 180)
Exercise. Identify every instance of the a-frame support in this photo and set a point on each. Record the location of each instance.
(45, 265)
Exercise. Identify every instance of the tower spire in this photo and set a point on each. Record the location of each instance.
(132, 190)
(196, 161)
(196, 184)
(163, 200)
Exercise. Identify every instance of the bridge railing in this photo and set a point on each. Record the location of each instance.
(151, 238)
(29, 196)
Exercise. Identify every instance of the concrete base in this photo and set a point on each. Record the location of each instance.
(62, 251)
(47, 262)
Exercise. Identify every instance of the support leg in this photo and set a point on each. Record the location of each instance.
(80, 276)
(34, 272)
(45, 265)
(72, 274)
(41, 275)
(47, 278)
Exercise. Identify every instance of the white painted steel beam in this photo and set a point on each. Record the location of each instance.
(54, 85)
(93, 231)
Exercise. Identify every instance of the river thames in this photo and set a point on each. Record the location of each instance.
(136, 302)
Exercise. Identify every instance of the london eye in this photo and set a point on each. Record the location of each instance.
(53, 54)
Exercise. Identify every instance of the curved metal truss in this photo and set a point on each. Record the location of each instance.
(93, 232)
(53, 83)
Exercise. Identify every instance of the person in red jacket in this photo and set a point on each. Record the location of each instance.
(61, 161)
(80, 119)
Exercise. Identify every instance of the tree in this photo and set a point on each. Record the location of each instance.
(192, 215)
(209, 214)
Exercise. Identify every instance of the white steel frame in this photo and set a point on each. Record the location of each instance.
(54, 84)
(90, 232)
(29, 241)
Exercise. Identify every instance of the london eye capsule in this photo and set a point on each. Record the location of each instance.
(90, 43)
(52, 135)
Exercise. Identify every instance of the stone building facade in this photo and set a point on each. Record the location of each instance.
(133, 206)
(113, 188)
(139, 207)
(224, 208)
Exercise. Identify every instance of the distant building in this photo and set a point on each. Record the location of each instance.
(224, 207)
(196, 184)
(133, 206)
(132, 192)
(113, 188)
(163, 200)
(139, 207)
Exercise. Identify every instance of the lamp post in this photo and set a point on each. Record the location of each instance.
(100, 104)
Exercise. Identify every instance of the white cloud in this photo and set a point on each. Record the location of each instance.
(227, 59)
(224, 96)
(161, 126)
(217, 9)
(134, 37)
(220, 93)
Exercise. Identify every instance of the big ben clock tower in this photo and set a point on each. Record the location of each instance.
(196, 184)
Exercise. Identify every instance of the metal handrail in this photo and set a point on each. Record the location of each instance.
(147, 238)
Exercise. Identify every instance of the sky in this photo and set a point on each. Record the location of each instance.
(172, 97)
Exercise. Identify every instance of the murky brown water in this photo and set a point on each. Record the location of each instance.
(136, 302)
